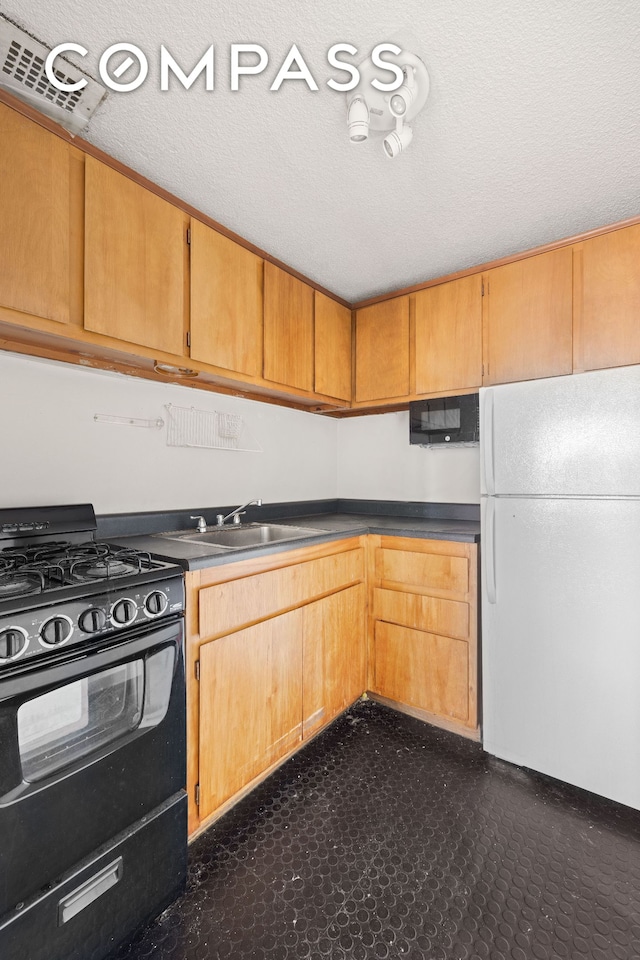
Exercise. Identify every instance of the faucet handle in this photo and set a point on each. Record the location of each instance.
(202, 523)
(236, 517)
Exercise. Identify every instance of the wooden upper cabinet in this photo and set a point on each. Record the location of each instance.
(332, 348)
(609, 331)
(448, 336)
(39, 213)
(288, 329)
(136, 262)
(226, 302)
(382, 350)
(528, 328)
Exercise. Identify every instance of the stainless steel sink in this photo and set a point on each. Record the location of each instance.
(245, 535)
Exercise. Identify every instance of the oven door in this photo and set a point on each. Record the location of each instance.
(89, 743)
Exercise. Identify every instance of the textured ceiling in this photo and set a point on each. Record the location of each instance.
(531, 131)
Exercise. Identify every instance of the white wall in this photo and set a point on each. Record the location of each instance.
(52, 451)
(376, 462)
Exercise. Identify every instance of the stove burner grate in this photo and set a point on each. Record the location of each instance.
(109, 564)
(22, 583)
(41, 567)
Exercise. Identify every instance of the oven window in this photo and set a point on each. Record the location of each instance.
(62, 726)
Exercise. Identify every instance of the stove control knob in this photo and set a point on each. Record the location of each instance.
(56, 631)
(13, 642)
(124, 612)
(92, 620)
(156, 603)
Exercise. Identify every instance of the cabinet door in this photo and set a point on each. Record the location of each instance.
(250, 705)
(422, 670)
(333, 658)
(288, 329)
(448, 345)
(382, 350)
(611, 299)
(36, 220)
(226, 302)
(529, 314)
(135, 262)
(332, 348)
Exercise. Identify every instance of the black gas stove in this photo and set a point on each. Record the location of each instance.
(60, 587)
(92, 730)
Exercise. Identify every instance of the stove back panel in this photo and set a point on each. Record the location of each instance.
(17, 523)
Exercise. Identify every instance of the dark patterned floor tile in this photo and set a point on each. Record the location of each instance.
(386, 839)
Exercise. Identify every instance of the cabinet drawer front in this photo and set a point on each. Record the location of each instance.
(228, 606)
(449, 618)
(424, 570)
(422, 670)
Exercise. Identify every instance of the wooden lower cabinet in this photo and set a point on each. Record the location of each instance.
(333, 656)
(278, 646)
(250, 705)
(423, 623)
(275, 650)
(422, 670)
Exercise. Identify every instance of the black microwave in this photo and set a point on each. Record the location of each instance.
(445, 420)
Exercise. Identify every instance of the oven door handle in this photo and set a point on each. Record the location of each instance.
(41, 677)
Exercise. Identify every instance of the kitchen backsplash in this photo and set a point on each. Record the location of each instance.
(376, 462)
(55, 452)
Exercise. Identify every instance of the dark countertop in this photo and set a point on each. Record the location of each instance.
(330, 526)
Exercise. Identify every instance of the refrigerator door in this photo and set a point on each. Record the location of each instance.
(564, 436)
(561, 640)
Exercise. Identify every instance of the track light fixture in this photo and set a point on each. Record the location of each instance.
(398, 140)
(370, 109)
(358, 119)
(401, 100)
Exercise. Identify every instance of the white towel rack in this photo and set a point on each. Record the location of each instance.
(155, 424)
(208, 430)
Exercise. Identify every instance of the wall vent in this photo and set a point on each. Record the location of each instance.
(22, 73)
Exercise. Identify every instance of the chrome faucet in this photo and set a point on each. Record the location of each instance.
(236, 514)
(202, 524)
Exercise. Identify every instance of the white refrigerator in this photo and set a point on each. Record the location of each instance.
(560, 469)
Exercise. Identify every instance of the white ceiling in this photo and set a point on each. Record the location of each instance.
(531, 131)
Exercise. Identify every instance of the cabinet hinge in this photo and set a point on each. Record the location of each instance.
(483, 288)
(188, 338)
(197, 669)
(189, 235)
(197, 794)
